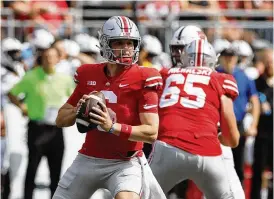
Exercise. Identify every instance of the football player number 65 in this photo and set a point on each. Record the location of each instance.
(171, 94)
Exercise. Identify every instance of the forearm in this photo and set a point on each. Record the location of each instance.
(144, 132)
(223, 140)
(15, 100)
(230, 134)
(255, 111)
(21, 8)
(66, 116)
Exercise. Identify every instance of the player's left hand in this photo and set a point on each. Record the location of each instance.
(101, 117)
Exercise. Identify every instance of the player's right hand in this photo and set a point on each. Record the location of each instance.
(101, 117)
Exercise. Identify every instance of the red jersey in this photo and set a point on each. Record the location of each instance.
(190, 108)
(127, 95)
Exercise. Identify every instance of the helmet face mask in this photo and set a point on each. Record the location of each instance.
(12, 48)
(119, 28)
(15, 55)
(175, 53)
(120, 54)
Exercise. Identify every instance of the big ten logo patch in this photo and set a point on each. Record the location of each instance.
(91, 83)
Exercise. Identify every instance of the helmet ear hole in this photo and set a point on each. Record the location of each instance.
(101, 53)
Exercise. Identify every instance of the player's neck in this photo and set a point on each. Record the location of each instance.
(229, 69)
(113, 69)
(49, 70)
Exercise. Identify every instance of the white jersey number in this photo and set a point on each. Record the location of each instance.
(171, 94)
(112, 98)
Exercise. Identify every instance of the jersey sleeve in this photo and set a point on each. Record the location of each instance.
(21, 86)
(163, 72)
(252, 88)
(76, 77)
(79, 80)
(152, 79)
(75, 96)
(148, 101)
(229, 86)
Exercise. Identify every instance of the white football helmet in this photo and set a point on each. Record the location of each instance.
(71, 47)
(199, 53)
(87, 43)
(42, 39)
(244, 51)
(182, 37)
(220, 45)
(152, 44)
(12, 47)
(119, 27)
(11, 44)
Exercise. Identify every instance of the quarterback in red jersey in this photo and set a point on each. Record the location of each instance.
(191, 105)
(112, 156)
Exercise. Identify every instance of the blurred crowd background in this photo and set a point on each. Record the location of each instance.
(30, 27)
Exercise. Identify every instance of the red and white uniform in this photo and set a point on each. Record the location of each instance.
(190, 108)
(187, 146)
(132, 92)
(101, 162)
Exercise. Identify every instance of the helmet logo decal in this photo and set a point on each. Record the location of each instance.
(111, 29)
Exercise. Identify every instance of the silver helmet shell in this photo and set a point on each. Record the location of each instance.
(199, 53)
(115, 28)
(11, 44)
(182, 37)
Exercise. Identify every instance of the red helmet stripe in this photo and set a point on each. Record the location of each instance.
(202, 51)
(125, 24)
(196, 53)
(199, 52)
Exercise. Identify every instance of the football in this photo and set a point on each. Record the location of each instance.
(82, 115)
